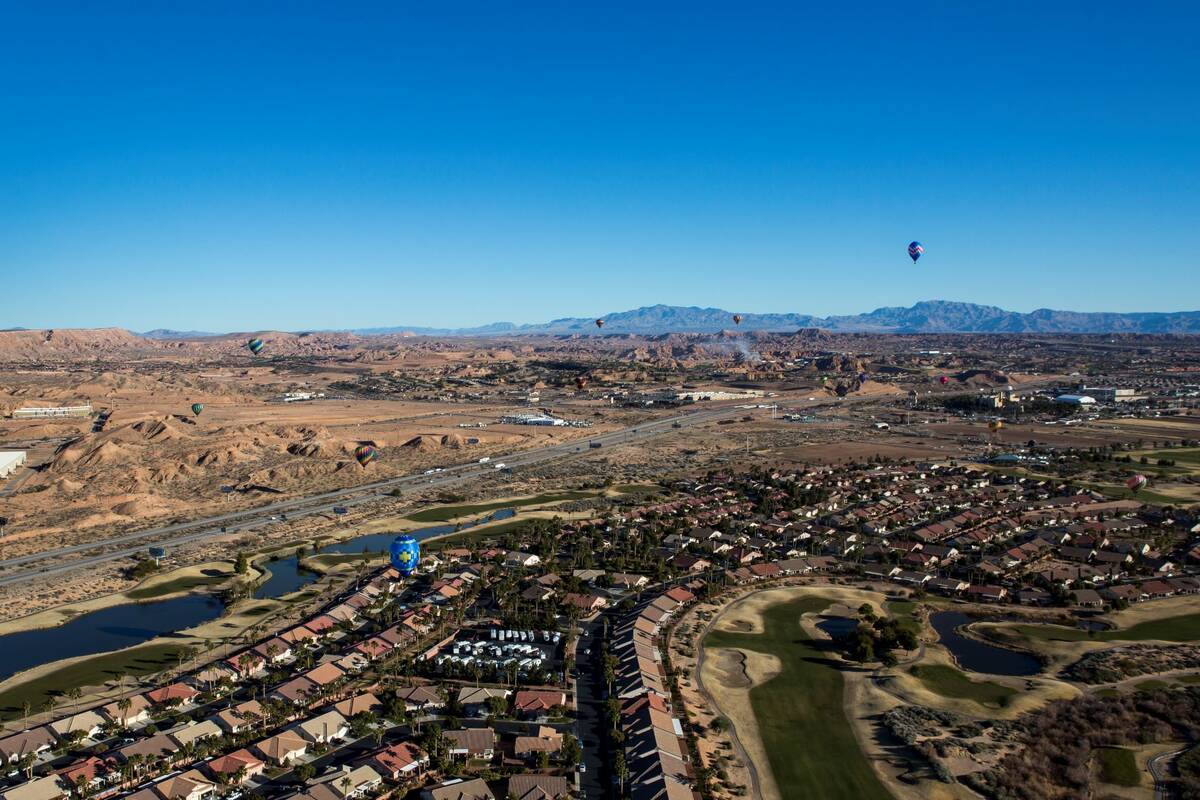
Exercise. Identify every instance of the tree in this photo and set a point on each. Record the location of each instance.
(621, 769)
(305, 772)
(571, 752)
(242, 565)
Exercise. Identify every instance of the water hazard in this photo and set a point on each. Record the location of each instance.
(977, 656)
(104, 630)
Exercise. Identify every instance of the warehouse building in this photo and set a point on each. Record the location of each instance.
(11, 461)
(60, 411)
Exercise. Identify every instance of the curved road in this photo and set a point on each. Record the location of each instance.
(42, 564)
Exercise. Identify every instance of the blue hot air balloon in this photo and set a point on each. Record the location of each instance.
(255, 346)
(914, 251)
(406, 554)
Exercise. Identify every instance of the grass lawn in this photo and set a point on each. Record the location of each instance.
(904, 613)
(1183, 628)
(446, 513)
(181, 584)
(1189, 679)
(1118, 766)
(1107, 693)
(951, 682)
(810, 746)
(92, 671)
(1151, 685)
(472, 535)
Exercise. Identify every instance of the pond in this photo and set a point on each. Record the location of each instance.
(977, 656)
(838, 627)
(288, 576)
(104, 630)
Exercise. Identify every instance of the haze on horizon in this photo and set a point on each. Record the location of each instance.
(250, 166)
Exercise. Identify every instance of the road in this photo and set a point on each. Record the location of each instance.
(1158, 771)
(50, 562)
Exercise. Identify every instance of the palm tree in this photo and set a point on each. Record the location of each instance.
(74, 693)
(345, 784)
(123, 705)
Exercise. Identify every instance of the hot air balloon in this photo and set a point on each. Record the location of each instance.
(862, 377)
(364, 454)
(406, 554)
(255, 345)
(995, 425)
(1137, 482)
(599, 323)
(737, 319)
(580, 381)
(197, 408)
(915, 250)
(943, 380)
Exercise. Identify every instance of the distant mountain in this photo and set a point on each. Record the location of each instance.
(931, 316)
(166, 333)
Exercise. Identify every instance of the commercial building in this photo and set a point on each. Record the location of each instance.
(1110, 394)
(1076, 400)
(60, 411)
(11, 461)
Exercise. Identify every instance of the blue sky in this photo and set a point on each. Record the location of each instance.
(239, 166)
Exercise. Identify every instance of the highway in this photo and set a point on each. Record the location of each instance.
(50, 562)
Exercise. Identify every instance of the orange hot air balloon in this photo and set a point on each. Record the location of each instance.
(580, 381)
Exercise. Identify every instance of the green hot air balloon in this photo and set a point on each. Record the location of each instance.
(255, 345)
(197, 408)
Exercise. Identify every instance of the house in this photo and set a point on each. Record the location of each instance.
(685, 562)
(361, 703)
(83, 725)
(274, 651)
(538, 787)
(400, 761)
(471, 743)
(323, 728)
(346, 783)
(324, 675)
(990, 594)
(627, 582)
(586, 603)
(157, 748)
(241, 717)
(420, 699)
(195, 732)
(546, 740)
(297, 691)
(517, 559)
(535, 703)
(282, 748)
(92, 772)
(457, 789)
(48, 788)
(172, 695)
(1088, 598)
(191, 785)
(226, 769)
(136, 712)
(477, 701)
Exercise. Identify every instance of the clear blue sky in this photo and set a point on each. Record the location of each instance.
(235, 166)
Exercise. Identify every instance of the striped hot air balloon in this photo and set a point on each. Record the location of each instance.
(255, 346)
(1136, 483)
(915, 250)
(197, 408)
(364, 454)
(406, 554)
(737, 319)
(599, 323)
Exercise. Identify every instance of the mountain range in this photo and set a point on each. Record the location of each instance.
(930, 316)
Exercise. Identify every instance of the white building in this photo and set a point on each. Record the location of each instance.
(61, 411)
(11, 461)
(1075, 400)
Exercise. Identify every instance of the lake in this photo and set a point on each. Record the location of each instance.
(104, 630)
(977, 656)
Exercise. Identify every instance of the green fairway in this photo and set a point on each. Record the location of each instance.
(446, 513)
(1152, 685)
(811, 748)
(1118, 766)
(904, 612)
(951, 682)
(1183, 628)
(472, 536)
(92, 671)
(182, 584)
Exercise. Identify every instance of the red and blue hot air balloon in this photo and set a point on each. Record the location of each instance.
(915, 250)
(406, 554)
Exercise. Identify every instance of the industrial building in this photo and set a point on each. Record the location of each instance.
(60, 411)
(1075, 400)
(11, 461)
